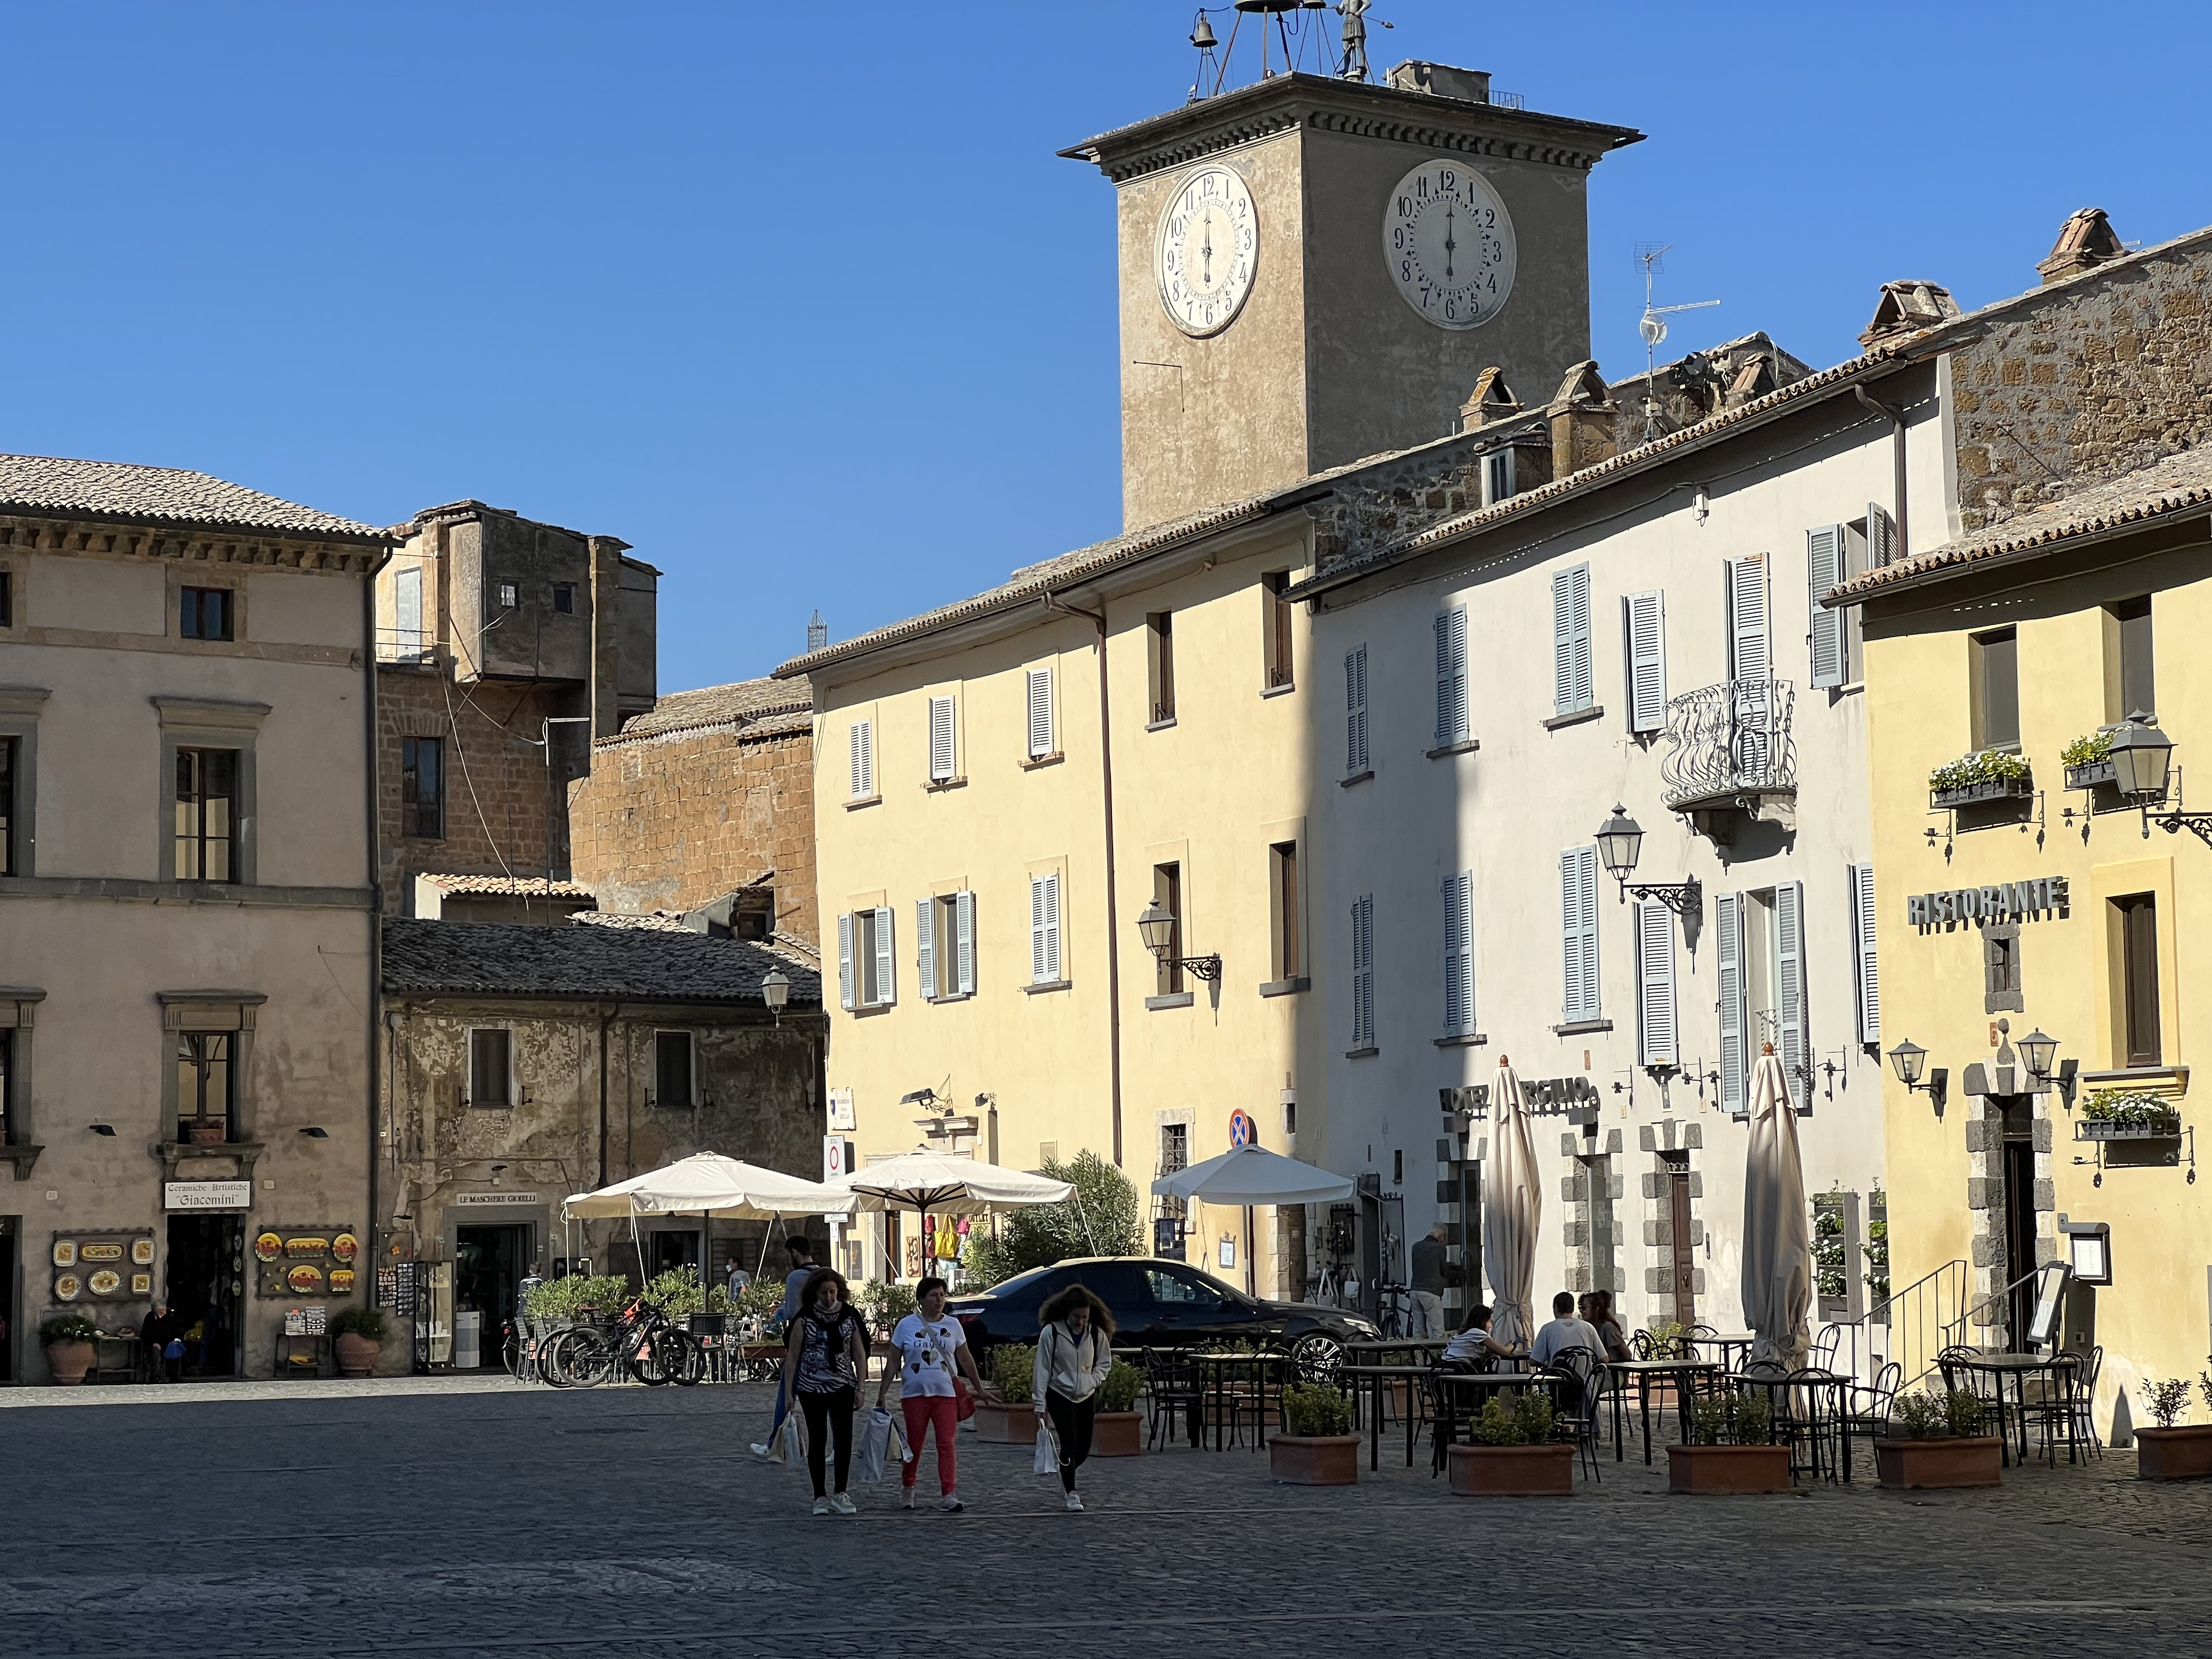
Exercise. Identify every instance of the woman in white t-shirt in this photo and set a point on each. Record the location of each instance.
(927, 1348)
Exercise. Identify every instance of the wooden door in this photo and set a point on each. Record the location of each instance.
(1684, 1274)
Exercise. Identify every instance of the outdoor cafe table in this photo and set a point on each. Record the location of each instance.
(2018, 1367)
(1387, 1350)
(1484, 1386)
(1375, 1379)
(1681, 1372)
(1730, 1344)
(1259, 1369)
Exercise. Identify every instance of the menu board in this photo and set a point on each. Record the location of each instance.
(322, 1260)
(110, 1265)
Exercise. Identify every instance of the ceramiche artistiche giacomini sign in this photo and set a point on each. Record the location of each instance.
(2009, 901)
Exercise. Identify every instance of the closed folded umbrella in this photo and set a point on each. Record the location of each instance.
(1253, 1175)
(1513, 1210)
(1777, 1270)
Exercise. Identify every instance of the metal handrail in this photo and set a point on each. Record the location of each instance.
(1913, 1327)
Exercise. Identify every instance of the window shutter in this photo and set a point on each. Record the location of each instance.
(1040, 681)
(886, 961)
(1824, 568)
(1451, 675)
(1363, 971)
(407, 604)
(845, 960)
(1578, 933)
(864, 759)
(1863, 954)
(1573, 687)
(1657, 1025)
(1044, 929)
(1459, 953)
(925, 948)
(1789, 987)
(1751, 654)
(1645, 624)
(1881, 537)
(1355, 710)
(1727, 923)
(963, 943)
(940, 739)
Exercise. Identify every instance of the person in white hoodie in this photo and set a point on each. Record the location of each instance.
(1074, 1352)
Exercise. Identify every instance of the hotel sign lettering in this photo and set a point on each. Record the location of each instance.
(2007, 901)
(1543, 1097)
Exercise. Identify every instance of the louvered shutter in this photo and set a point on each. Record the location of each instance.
(1789, 985)
(1863, 953)
(1363, 971)
(1578, 933)
(925, 947)
(1824, 568)
(1044, 929)
(1751, 653)
(1881, 537)
(1355, 711)
(845, 960)
(886, 961)
(1573, 686)
(1644, 621)
(1451, 676)
(1459, 953)
(964, 944)
(864, 759)
(1728, 952)
(1040, 686)
(941, 756)
(1658, 1027)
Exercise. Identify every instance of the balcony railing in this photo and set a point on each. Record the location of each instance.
(1731, 743)
(405, 645)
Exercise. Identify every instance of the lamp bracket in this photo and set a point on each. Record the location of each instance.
(1684, 898)
(1207, 967)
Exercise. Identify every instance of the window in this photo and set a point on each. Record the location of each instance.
(943, 747)
(1045, 966)
(1283, 902)
(1751, 651)
(564, 598)
(1160, 651)
(491, 1053)
(1167, 893)
(2001, 989)
(2136, 929)
(7, 806)
(7, 1085)
(1824, 568)
(1363, 972)
(1042, 744)
(204, 613)
(1573, 687)
(1863, 953)
(423, 787)
(1281, 666)
(410, 643)
(1760, 959)
(207, 791)
(2130, 679)
(1355, 712)
(1579, 1003)
(1496, 477)
(204, 1084)
(1451, 676)
(672, 1066)
(506, 596)
(1173, 1290)
(7, 598)
(1644, 625)
(1658, 1034)
(862, 743)
(1459, 954)
(945, 930)
(1174, 1148)
(866, 975)
(1995, 658)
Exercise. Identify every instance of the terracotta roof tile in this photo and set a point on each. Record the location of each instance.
(164, 495)
(473, 958)
(755, 708)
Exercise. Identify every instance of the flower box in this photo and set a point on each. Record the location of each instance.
(2095, 1130)
(1006, 1424)
(2089, 775)
(1959, 1460)
(1545, 1471)
(1728, 1469)
(1987, 789)
(1314, 1460)
(1117, 1434)
(2183, 1453)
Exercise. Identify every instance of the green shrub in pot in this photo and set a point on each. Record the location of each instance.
(69, 1327)
(369, 1322)
(1316, 1411)
(1012, 1368)
(1118, 1393)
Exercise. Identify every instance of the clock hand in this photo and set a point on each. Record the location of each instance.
(1208, 251)
(1450, 245)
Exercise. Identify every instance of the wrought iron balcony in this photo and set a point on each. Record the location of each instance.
(405, 645)
(1730, 747)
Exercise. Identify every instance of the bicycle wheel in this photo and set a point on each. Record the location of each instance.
(680, 1358)
(581, 1358)
(641, 1358)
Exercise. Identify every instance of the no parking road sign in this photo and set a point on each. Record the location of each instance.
(1242, 1131)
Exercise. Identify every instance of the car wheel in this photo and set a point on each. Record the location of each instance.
(1317, 1355)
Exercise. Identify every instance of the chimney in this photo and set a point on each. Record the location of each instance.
(1438, 80)
(1584, 423)
(1491, 400)
(1905, 306)
(2084, 241)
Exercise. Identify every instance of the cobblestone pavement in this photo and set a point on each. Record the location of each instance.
(482, 1518)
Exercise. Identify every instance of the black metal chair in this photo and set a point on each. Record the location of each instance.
(1577, 1415)
(1176, 1389)
(1867, 1407)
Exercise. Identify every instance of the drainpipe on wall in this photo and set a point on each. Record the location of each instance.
(1112, 941)
(1896, 417)
(606, 1018)
(373, 803)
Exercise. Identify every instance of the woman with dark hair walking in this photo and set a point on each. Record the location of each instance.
(825, 1355)
(1074, 1352)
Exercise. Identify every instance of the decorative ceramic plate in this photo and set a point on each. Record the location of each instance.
(66, 1287)
(304, 1278)
(101, 1252)
(105, 1283)
(306, 1246)
(341, 1279)
(141, 1252)
(142, 1284)
(268, 1247)
(345, 1247)
(65, 1253)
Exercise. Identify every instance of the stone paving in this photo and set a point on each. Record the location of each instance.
(466, 1516)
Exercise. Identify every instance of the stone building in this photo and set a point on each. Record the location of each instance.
(186, 905)
(523, 1065)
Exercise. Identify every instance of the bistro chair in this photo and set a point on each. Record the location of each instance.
(1867, 1406)
(2057, 1407)
(1177, 1394)
(2085, 1397)
(1823, 1355)
(1578, 1415)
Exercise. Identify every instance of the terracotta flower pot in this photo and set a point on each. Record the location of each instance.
(1545, 1471)
(1718, 1469)
(1314, 1460)
(356, 1354)
(1961, 1460)
(1117, 1434)
(69, 1361)
(2173, 1454)
(1006, 1424)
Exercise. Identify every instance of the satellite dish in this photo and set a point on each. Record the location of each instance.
(1651, 327)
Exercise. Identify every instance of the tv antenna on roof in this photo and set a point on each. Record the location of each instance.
(1652, 325)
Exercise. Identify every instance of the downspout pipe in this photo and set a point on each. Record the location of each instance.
(1896, 417)
(1097, 620)
(371, 804)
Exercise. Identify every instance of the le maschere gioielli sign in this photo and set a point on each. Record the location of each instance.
(2007, 901)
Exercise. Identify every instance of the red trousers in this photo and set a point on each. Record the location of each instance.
(922, 1410)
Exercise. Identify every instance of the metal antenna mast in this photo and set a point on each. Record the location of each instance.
(1652, 325)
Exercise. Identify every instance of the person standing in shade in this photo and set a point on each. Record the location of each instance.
(802, 1269)
(1427, 1318)
(926, 1347)
(824, 1357)
(1074, 1352)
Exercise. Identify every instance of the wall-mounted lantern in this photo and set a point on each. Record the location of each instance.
(1908, 1060)
(1619, 844)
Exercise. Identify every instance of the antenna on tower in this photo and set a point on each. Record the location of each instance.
(818, 633)
(1652, 325)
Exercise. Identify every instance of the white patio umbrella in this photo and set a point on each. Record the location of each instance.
(708, 1184)
(1778, 1275)
(938, 1183)
(1513, 1213)
(1253, 1175)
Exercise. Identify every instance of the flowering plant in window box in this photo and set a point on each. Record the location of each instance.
(2129, 1115)
(1986, 774)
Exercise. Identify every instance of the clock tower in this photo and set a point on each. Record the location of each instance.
(1313, 270)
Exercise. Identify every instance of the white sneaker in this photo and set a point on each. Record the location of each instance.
(843, 1505)
(822, 1506)
(950, 1503)
(1074, 1502)
(906, 1497)
(761, 1449)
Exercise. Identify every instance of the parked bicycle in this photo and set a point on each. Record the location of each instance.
(642, 1340)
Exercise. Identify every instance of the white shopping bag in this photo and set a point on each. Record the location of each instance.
(786, 1448)
(1048, 1449)
(868, 1460)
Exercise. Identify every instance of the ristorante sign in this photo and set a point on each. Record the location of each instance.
(2009, 901)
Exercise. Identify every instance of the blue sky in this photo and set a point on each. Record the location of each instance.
(799, 301)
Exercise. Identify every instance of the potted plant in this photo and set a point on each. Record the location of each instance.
(1010, 1420)
(1513, 1455)
(1831, 1268)
(69, 1351)
(1731, 1449)
(1943, 1444)
(2173, 1450)
(2129, 1115)
(356, 1335)
(1118, 1430)
(1320, 1448)
(1986, 774)
(1876, 1254)
(2089, 759)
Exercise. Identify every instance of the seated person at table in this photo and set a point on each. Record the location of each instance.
(1565, 1331)
(1474, 1345)
(1597, 1313)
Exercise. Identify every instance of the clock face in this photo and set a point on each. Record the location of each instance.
(1209, 244)
(1448, 242)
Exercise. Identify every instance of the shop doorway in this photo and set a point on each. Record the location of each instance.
(206, 1289)
(671, 1250)
(488, 1268)
(2019, 1213)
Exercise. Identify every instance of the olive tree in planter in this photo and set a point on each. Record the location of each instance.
(1118, 1430)
(2173, 1450)
(1320, 1448)
(1010, 1420)
(1730, 1449)
(1513, 1455)
(69, 1351)
(1941, 1444)
(356, 1335)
